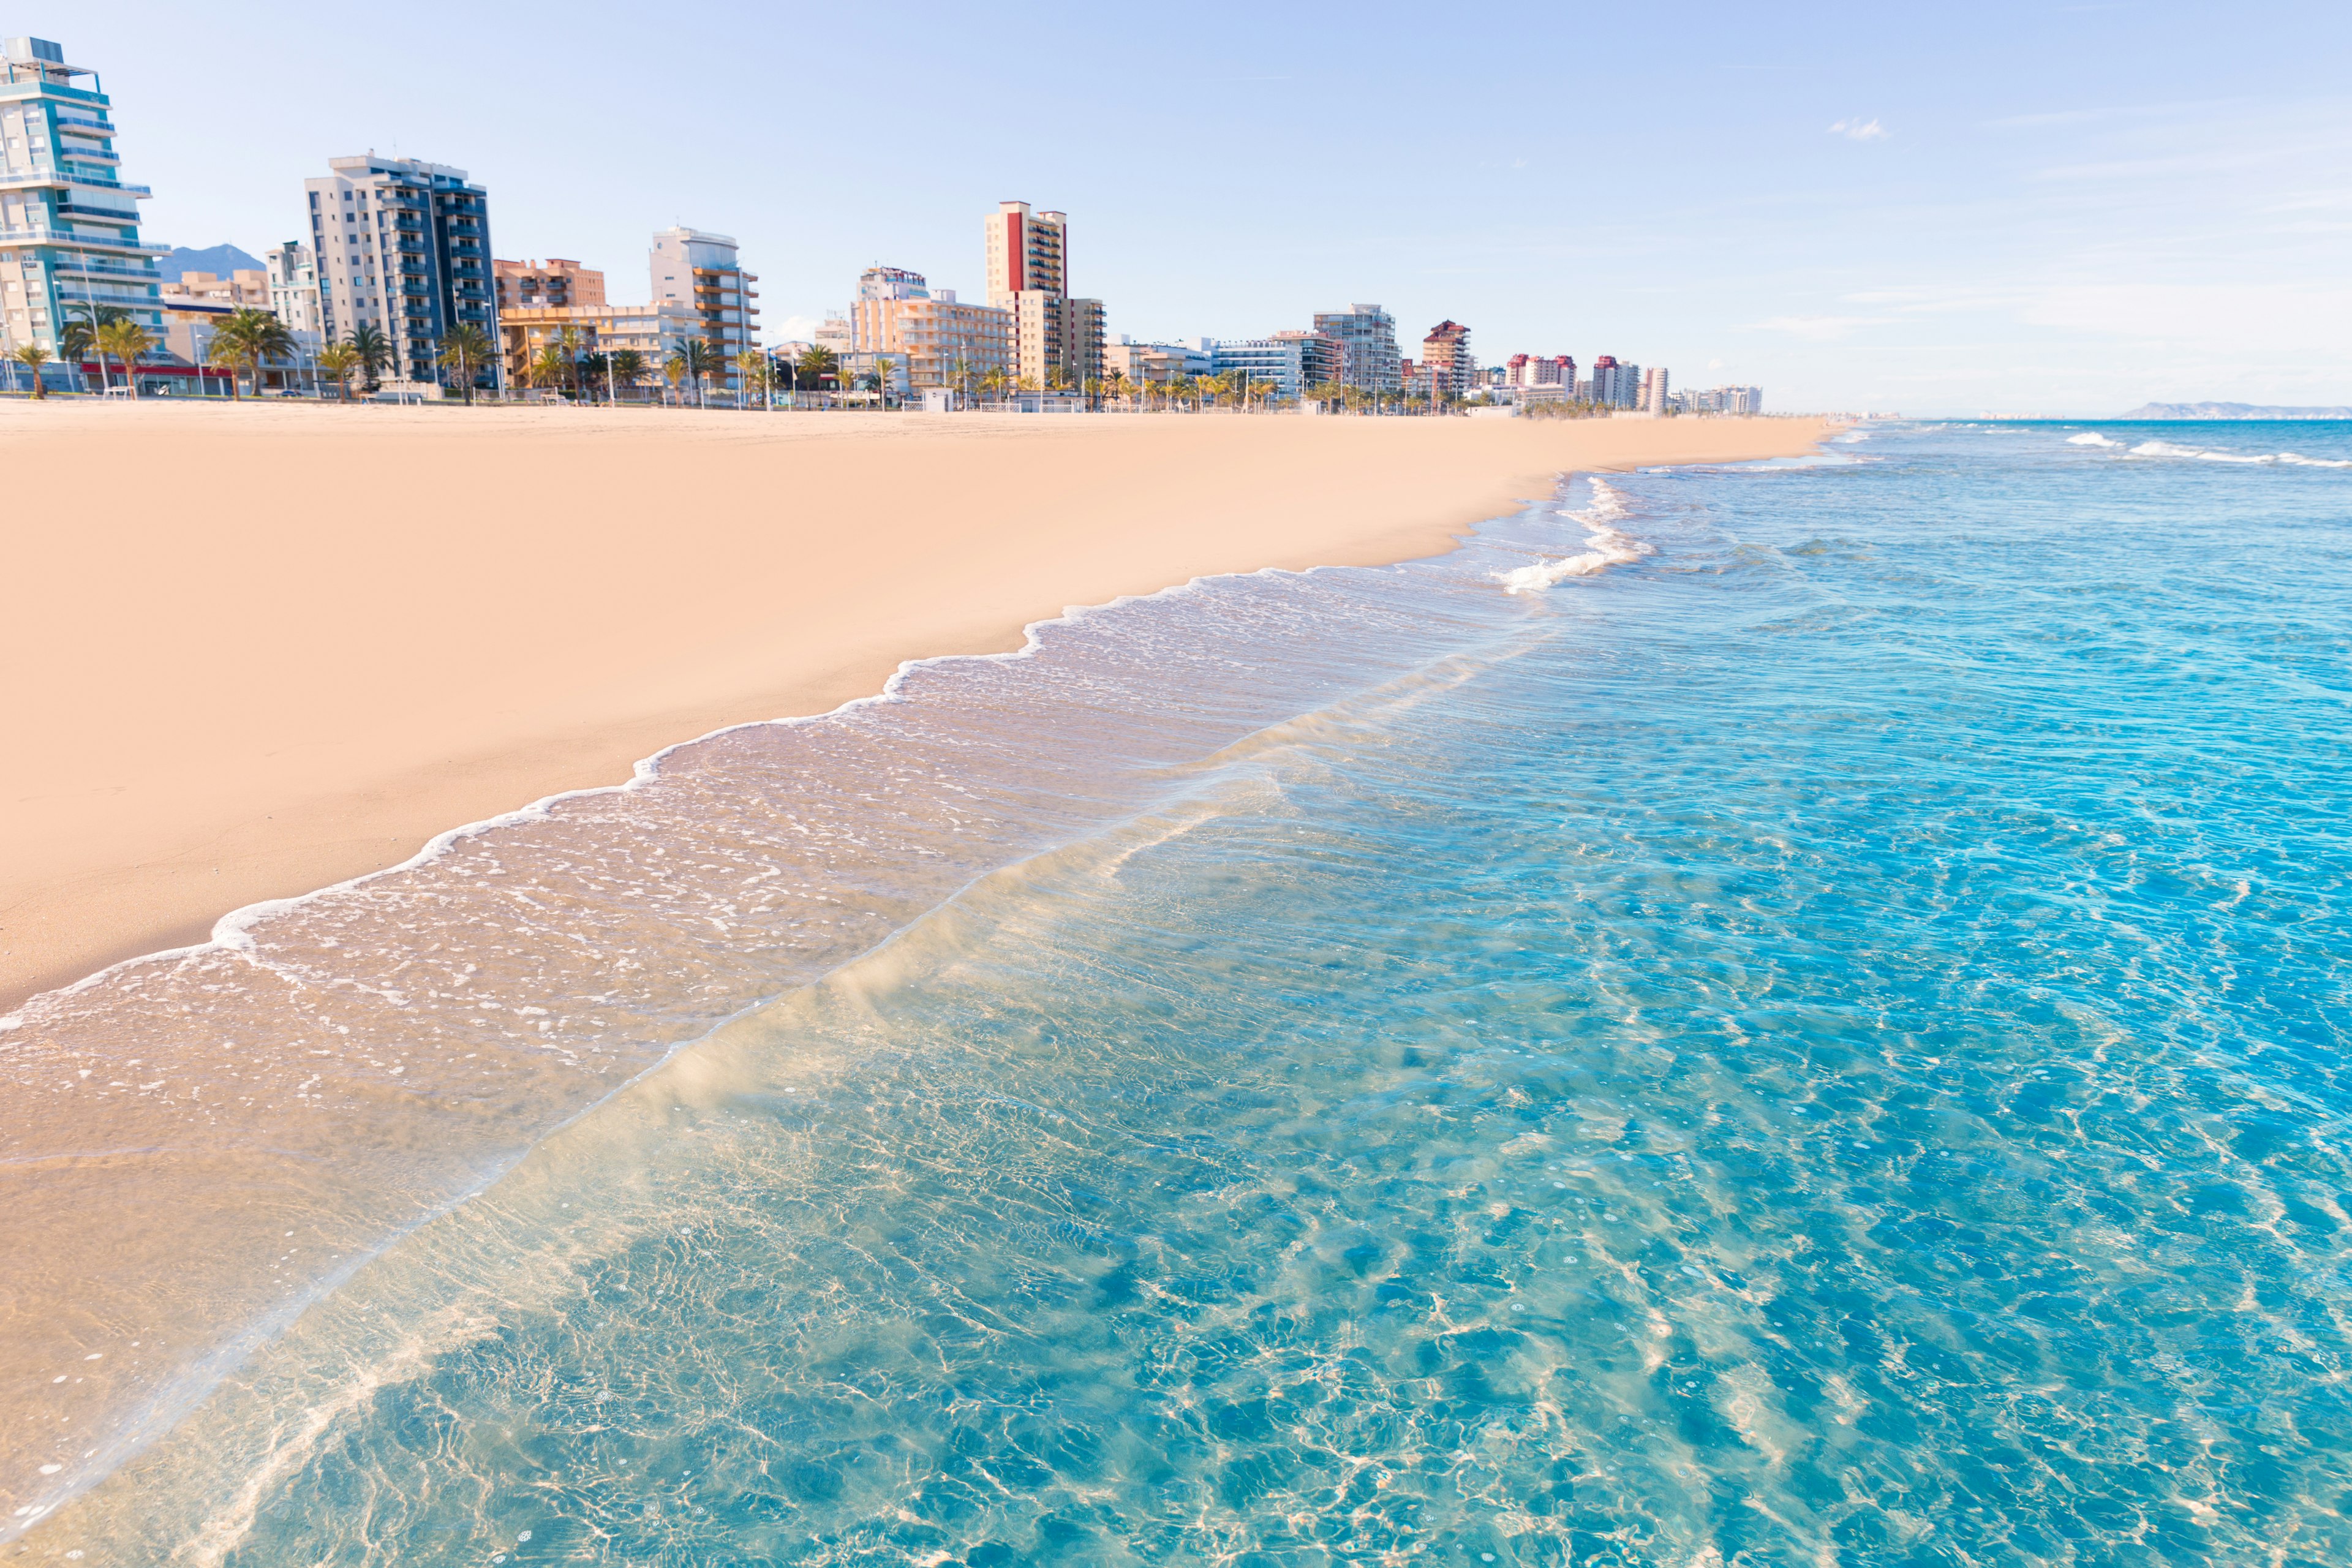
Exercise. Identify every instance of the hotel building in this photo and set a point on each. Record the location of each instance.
(702, 271)
(940, 341)
(70, 244)
(404, 246)
(1054, 337)
(1446, 366)
(1367, 337)
(551, 282)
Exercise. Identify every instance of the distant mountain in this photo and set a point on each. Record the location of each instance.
(2231, 411)
(220, 261)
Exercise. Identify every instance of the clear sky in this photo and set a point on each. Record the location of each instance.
(2064, 209)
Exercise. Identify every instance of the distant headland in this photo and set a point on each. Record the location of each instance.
(2232, 411)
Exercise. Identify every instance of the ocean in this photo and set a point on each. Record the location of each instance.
(1787, 1012)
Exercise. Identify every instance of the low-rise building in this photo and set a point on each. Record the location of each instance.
(245, 286)
(655, 332)
(1157, 365)
(1293, 361)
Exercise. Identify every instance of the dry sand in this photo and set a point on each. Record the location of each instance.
(251, 651)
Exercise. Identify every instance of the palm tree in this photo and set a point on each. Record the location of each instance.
(997, 383)
(32, 356)
(464, 350)
(339, 360)
(815, 363)
(247, 336)
(127, 340)
(625, 367)
(374, 351)
(551, 367)
(78, 339)
(1265, 391)
(697, 359)
(674, 371)
(752, 366)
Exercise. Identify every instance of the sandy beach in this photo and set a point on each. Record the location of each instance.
(253, 651)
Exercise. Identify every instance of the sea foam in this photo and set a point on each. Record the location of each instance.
(1609, 547)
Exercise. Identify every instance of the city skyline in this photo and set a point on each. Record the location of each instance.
(2099, 220)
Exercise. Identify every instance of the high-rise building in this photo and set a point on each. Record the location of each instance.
(1445, 364)
(69, 246)
(1616, 385)
(1054, 337)
(1367, 337)
(404, 246)
(554, 281)
(293, 272)
(1654, 389)
(940, 340)
(702, 271)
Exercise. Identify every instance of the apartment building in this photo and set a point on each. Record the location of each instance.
(70, 243)
(1054, 337)
(702, 271)
(404, 246)
(655, 332)
(1654, 399)
(938, 339)
(292, 271)
(554, 281)
(1446, 367)
(1367, 337)
(246, 287)
(1616, 385)
(1293, 361)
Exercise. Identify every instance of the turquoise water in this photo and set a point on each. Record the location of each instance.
(1817, 1041)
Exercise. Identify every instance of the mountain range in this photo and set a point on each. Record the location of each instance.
(220, 260)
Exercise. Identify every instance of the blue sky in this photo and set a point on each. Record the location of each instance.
(2064, 209)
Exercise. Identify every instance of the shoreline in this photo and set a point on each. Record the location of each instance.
(467, 663)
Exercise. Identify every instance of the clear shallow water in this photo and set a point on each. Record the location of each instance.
(1817, 1043)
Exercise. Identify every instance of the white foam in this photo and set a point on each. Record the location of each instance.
(1609, 547)
(2206, 455)
(2090, 438)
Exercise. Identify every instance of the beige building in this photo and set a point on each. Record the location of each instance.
(653, 331)
(942, 340)
(1054, 337)
(555, 281)
(246, 285)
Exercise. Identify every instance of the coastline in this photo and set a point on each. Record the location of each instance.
(351, 631)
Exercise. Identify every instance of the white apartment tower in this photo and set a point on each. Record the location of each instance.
(702, 271)
(1054, 337)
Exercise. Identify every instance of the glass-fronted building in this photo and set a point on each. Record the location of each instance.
(70, 245)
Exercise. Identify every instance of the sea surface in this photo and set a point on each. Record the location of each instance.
(1792, 1012)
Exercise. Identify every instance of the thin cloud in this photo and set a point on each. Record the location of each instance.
(1820, 329)
(1860, 130)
